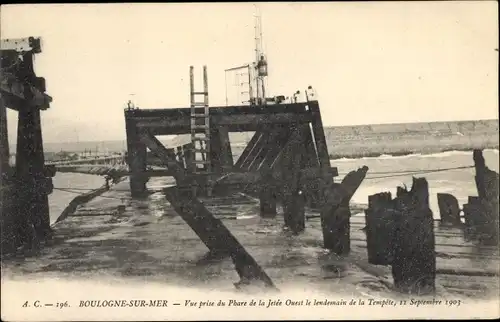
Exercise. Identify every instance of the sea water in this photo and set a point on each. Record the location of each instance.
(382, 176)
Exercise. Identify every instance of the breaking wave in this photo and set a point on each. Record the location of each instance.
(404, 155)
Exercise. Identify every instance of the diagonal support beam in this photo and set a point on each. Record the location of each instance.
(248, 149)
(215, 235)
(209, 229)
(167, 156)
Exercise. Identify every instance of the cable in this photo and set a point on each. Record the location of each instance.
(80, 194)
(419, 172)
(413, 171)
(409, 172)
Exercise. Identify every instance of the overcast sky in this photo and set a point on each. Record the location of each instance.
(370, 62)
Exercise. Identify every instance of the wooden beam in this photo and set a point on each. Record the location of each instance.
(178, 124)
(166, 155)
(216, 236)
(17, 94)
(221, 110)
(208, 228)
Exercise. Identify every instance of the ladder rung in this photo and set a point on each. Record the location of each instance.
(198, 115)
(199, 104)
(201, 162)
(199, 126)
(199, 93)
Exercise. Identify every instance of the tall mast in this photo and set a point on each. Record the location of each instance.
(260, 61)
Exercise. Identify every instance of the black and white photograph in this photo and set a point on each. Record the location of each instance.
(249, 161)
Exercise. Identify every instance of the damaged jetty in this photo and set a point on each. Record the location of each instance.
(283, 178)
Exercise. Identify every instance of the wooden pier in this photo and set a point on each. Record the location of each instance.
(24, 188)
(286, 161)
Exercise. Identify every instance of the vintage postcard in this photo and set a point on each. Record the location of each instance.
(249, 161)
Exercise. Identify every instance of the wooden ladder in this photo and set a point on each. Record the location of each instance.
(200, 124)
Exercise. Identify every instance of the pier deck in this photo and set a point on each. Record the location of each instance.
(149, 241)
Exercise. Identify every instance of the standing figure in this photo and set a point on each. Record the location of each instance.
(296, 96)
(310, 94)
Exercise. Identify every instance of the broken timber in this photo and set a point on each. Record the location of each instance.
(400, 232)
(481, 212)
(335, 214)
(209, 229)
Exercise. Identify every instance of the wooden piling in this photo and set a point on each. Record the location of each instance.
(330, 197)
(293, 196)
(33, 186)
(379, 229)
(136, 158)
(414, 261)
(334, 216)
(267, 195)
(481, 213)
(449, 209)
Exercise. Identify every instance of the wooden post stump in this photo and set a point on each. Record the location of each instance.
(334, 219)
(380, 227)
(414, 261)
(449, 209)
(268, 196)
(481, 213)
